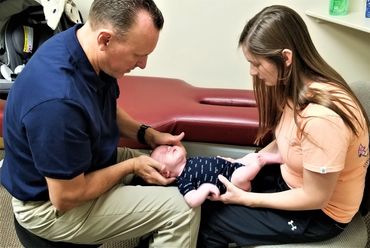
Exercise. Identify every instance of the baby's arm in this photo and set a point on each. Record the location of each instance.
(196, 197)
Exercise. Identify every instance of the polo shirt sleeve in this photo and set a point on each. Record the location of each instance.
(325, 142)
(58, 137)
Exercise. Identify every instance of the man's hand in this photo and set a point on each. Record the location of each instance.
(148, 169)
(155, 138)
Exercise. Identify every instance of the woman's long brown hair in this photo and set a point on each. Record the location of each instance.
(269, 32)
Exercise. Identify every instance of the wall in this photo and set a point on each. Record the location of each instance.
(199, 41)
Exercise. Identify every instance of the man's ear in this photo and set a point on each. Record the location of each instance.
(287, 56)
(103, 39)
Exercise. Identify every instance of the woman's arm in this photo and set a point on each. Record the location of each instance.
(321, 186)
(271, 147)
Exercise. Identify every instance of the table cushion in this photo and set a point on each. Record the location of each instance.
(223, 116)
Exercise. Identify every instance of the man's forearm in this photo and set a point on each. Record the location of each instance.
(68, 194)
(127, 126)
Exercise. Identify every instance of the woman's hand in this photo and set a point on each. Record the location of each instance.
(148, 169)
(319, 185)
(233, 194)
(231, 160)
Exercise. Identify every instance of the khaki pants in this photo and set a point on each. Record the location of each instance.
(124, 212)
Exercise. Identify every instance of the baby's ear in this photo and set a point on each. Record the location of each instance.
(165, 173)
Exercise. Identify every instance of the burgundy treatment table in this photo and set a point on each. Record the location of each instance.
(210, 116)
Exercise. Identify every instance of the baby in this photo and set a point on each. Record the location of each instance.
(197, 177)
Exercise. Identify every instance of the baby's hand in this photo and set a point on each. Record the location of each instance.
(214, 192)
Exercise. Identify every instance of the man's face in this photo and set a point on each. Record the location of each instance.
(126, 53)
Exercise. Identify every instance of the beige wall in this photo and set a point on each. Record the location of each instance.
(199, 41)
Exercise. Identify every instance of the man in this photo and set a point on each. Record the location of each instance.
(61, 128)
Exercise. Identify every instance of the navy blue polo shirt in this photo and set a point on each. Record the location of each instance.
(60, 119)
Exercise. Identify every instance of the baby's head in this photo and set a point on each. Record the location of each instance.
(172, 157)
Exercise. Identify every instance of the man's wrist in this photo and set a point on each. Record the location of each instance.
(141, 134)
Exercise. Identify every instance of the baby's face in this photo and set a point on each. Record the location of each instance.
(170, 156)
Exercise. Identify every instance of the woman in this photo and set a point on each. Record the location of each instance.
(321, 132)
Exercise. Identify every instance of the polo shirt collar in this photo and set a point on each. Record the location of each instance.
(83, 65)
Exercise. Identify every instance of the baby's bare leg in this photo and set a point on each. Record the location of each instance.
(241, 177)
(270, 158)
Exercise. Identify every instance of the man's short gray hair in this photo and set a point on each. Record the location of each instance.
(121, 14)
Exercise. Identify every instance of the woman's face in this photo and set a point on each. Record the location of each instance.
(262, 68)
